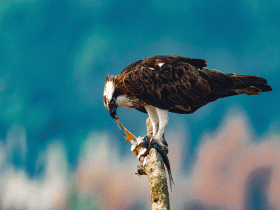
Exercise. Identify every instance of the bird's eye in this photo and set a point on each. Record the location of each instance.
(112, 102)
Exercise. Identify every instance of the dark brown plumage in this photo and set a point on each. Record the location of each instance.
(162, 84)
(182, 85)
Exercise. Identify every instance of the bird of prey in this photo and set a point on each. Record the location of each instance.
(162, 84)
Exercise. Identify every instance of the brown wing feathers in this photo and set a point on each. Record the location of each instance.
(182, 85)
(175, 82)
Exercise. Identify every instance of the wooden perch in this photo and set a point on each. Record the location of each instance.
(152, 166)
(155, 171)
(157, 181)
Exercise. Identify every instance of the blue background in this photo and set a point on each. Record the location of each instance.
(55, 55)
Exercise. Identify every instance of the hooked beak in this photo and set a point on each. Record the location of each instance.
(113, 112)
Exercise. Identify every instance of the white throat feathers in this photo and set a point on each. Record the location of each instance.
(125, 101)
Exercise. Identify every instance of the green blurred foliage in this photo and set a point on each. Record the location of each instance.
(54, 56)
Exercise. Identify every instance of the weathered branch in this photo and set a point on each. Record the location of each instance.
(157, 181)
(155, 158)
(154, 169)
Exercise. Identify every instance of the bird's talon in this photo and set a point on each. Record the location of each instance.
(161, 144)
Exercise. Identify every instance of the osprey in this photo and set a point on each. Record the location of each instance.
(162, 84)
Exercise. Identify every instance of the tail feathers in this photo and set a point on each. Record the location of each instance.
(250, 85)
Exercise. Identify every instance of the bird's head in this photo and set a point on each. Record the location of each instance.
(115, 97)
(110, 95)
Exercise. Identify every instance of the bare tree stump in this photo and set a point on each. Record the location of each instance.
(157, 181)
(154, 169)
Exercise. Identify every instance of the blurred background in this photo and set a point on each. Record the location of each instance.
(59, 147)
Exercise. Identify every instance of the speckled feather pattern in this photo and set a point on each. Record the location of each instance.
(181, 84)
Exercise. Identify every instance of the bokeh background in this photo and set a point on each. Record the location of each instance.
(59, 148)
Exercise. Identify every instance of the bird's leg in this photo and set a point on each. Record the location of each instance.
(154, 119)
(162, 150)
(163, 122)
(159, 119)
